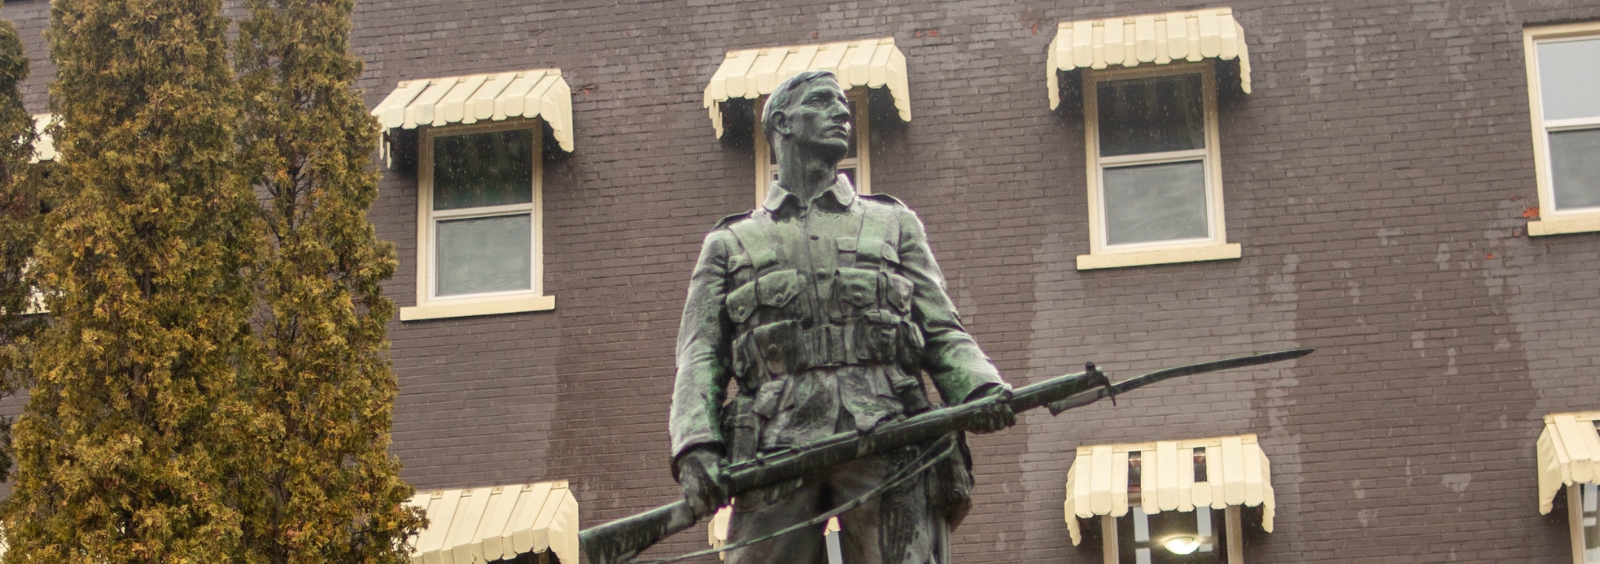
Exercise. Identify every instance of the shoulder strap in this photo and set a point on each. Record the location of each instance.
(752, 234)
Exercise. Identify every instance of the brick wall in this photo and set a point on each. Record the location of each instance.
(1376, 178)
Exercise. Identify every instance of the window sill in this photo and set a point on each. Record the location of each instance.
(491, 306)
(1159, 256)
(1561, 225)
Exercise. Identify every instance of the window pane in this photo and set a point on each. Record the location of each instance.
(486, 254)
(1143, 538)
(1161, 202)
(1569, 78)
(483, 169)
(1575, 167)
(1151, 115)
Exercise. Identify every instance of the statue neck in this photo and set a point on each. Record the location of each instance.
(804, 173)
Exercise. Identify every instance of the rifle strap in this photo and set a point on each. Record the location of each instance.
(925, 460)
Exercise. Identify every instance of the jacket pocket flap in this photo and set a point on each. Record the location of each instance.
(858, 286)
(742, 303)
(778, 288)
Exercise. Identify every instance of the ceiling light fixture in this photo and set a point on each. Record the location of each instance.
(1181, 544)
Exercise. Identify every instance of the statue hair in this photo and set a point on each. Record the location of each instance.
(783, 95)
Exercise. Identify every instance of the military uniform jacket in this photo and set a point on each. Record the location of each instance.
(825, 313)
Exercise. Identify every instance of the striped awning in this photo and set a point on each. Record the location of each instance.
(497, 523)
(1151, 38)
(1235, 473)
(1569, 453)
(437, 102)
(717, 531)
(44, 146)
(753, 73)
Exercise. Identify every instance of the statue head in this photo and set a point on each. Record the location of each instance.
(809, 112)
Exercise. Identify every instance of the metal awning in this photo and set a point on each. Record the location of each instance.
(1236, 473)
(1152, 38)
(1569, 453)
(437, 102)
(44, 146)
(496, 523)
(753, 73)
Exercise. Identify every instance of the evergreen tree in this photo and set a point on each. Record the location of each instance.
(322, 487)
(131, 433)
(19, 228)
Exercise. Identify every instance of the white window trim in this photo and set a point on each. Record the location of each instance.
(430, 306)
(1234, 547)
(1103, 255)
(1552, 221)
(862, 161)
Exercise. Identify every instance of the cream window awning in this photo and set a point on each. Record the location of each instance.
(437, 102)
(1569, 453)
(496, 523)
(1236, 473)
(753, 73)
(1149, 39)
(44, 146)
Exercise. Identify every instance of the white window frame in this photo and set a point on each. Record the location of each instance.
(862, 162)
(1575, 521)
(431, 306)
(1552, 221)
(1234, 524)
(1101, 253)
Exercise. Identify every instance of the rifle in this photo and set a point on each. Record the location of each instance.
(619, 541)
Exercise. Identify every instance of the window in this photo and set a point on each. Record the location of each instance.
(478, 221)
(1170, 502)
(856, 165)
(1154, 176)
(1562, 86)
(1201, 536)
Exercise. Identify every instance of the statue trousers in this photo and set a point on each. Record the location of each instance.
(898, 527)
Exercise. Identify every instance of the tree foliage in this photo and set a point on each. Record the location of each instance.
(20, 216)
(323, 487)
(131, 437)
(213, 384)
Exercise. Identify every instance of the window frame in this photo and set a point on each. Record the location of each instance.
(431, 306)
(1552, 221)
(862, 130)
(1232, 519)
(1575, 521)
(1215, 246)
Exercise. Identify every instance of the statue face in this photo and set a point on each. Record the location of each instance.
(818, 120)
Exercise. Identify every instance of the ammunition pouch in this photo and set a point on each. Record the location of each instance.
(740, 429)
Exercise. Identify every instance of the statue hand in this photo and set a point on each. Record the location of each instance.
(700, 474)
(997, 415)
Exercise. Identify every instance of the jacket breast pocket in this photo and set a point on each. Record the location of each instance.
(857, 287)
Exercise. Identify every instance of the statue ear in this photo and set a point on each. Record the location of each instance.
(780, 123)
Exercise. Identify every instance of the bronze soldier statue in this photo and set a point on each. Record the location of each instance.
(826, 307)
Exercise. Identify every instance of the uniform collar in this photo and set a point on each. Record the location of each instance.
(841, 190)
